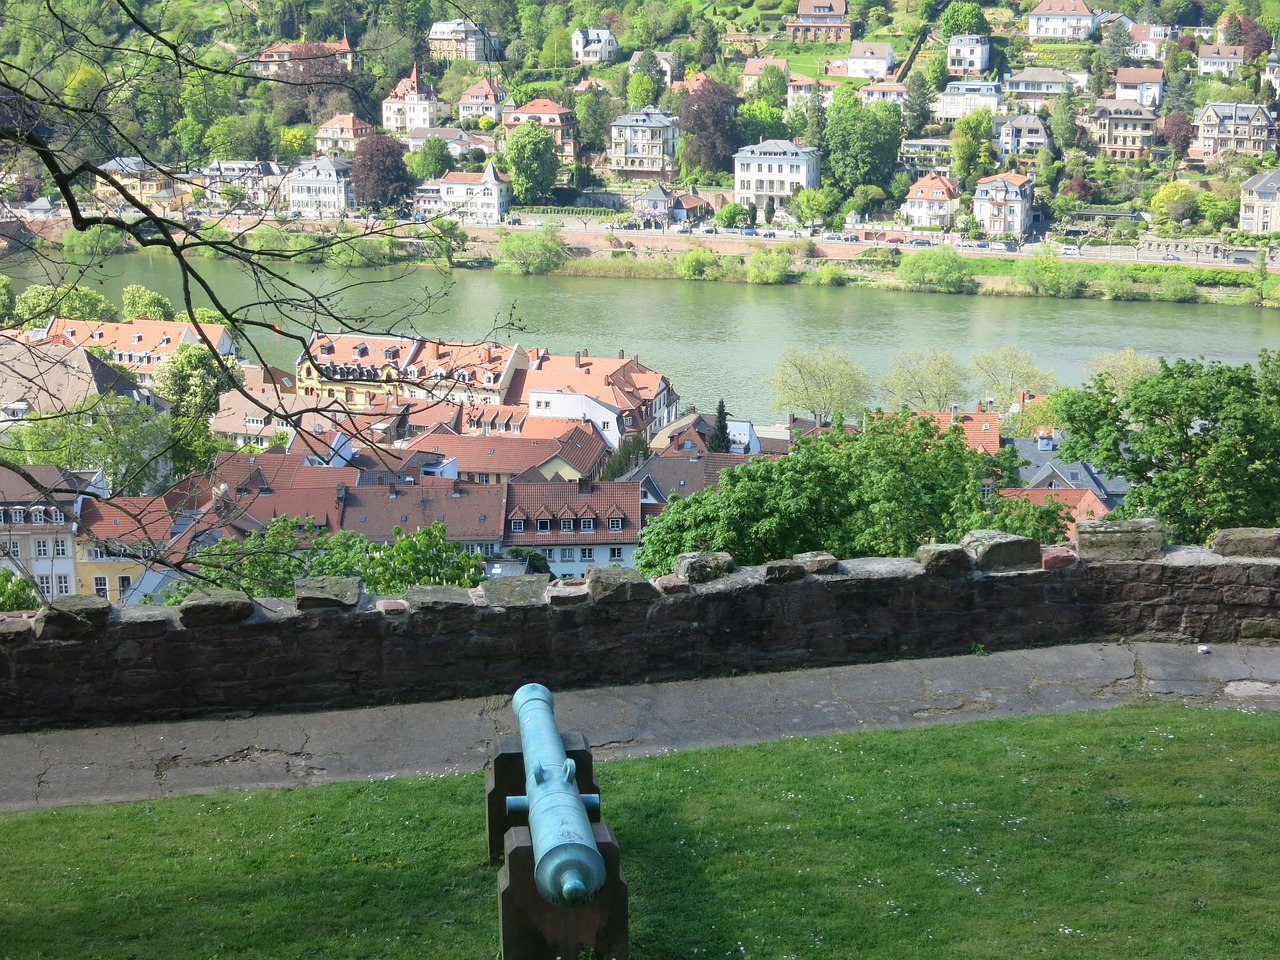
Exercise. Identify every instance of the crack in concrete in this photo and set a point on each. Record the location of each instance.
(297, 763)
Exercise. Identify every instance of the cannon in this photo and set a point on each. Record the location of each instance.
(568, 868)
(561, 890)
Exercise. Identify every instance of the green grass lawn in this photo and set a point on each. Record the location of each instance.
(1141, 832)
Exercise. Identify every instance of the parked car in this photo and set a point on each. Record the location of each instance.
(683, 228)
(768, 233)
(631, 225)
(831, 236)
(513, 221)
(982, 245)
(1241, 260)
(750, 232)
(851, 238)
(1070, 250)
(535, 223)
(964, 242)
(709, 228)
(1171, 256)
(920, 242)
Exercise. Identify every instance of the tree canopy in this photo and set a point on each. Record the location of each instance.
(823, 383)
(882, 492)
(963, 17)
(532, 162)
(707, 128)
(1198, 441)
(378, 173)
(862, 140)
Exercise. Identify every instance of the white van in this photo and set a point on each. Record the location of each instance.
(1070, 250)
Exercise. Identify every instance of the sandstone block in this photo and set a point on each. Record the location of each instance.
(438, 598)
(1100, 540)
(703, 567)
(318, 593)
(997, 550)
(207, 608)
(528, 590)
(1058, 557)
(783, 571)
(671, 585)
(817, 561)
(619, 585)
(76, 614)
(559, 595)
(944, 560)
(1247, 542)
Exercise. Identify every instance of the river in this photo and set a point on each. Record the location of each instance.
(718, 340)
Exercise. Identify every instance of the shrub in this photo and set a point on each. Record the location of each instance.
(827, 275)
(767, 268)
(1177, 288)
(695, 264)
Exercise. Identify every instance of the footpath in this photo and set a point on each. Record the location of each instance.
(62, 767)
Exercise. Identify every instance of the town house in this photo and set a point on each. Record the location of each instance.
(322, 187)
(1061, 20)
(462, 40)
(479, 197)
(754, 66)
(304, 58)
(1141, 85)
(1024, 133)
(256, 183)
(138, 344)
(341, 132)
(1260, 203)
(968, 55)
(1244, 128)
(774, 168)
(575, 525)
(1122, 128)
(870, 60)
(1002, 203)
(413, 103)
(1219, 58)
(820, 21)
(482, 99)
(643, 144)
(962, 97)
(559, 119)
(932, 201)
(38, 524)
(593, 45)
(800, 89)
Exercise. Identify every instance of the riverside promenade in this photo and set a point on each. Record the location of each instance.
(62, 767)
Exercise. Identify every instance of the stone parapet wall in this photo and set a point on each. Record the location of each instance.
(83, 662)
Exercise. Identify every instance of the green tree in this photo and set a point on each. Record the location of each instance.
(422, 557)
(882, 492)
(862, 141)
(917, 107)
(1115, 45)
(937, 72)
(767, 268)
(40, 303)
(532, 162)
(1062, 121)
(1198, 442)
(964, 17)
(812, 205)
(823, 383)
(815, 123)
(263, 564)
(770, 86)
(595, 113)
(94, 243)
(1002, 373)
(760, 120)
(7, 300)
(642, 91)
(16, 592)
(1097, 74)
(941, 269)
(632, 451)
(1046, 275)
(534, 252)
(1176, 200)
(926, 381)
(535, 561)
(1120, 368)
(128, 440)
(138, 301)
(193, 378)
(432, 160)
(719, 440)
(733, 215)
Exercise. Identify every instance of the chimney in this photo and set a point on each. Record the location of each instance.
(955, 413)
(577, 360)
(584, 484)
(621, 355)
(340, 495)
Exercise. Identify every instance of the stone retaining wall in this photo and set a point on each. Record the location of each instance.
(83, 662)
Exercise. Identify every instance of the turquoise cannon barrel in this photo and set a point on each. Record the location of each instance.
(567, 866)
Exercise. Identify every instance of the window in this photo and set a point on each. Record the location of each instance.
(13, 550)
(37, 514)
(549, 553)
(587, 553)
(566, 554)
(17, 514)
(566, 526)
(42, 548)
(544, 526)
(615, 554)
(97, 553)
(517, 526)
(100, 587)
(615, 524)
(64, 584)
(60, 547)
(46, 584)
(482, 478)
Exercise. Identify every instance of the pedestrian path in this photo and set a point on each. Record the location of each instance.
(167, 759)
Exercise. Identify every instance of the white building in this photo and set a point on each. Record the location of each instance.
(874, 92)
(1148, 41)
(1260, 203)
(462, 40)
(932, 201)
(413, 103)
(963, 97)
(1219, 58)
(1024, 133)
(1034, 85)
(1002, 203)
(968, 55)
(479, 197)
(774, 168)
(321, 187)
(259, 182)
(593, 46)
(1141, 85)
(666, 63)
(870, 60)
(482, 99)
(801, 88)
(643, 144)
(1061, 20)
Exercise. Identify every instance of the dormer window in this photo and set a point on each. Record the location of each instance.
(137, 338)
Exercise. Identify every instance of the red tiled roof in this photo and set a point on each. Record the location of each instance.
(574, 500)
(470, 512)
(135, 519)
(981, 430)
